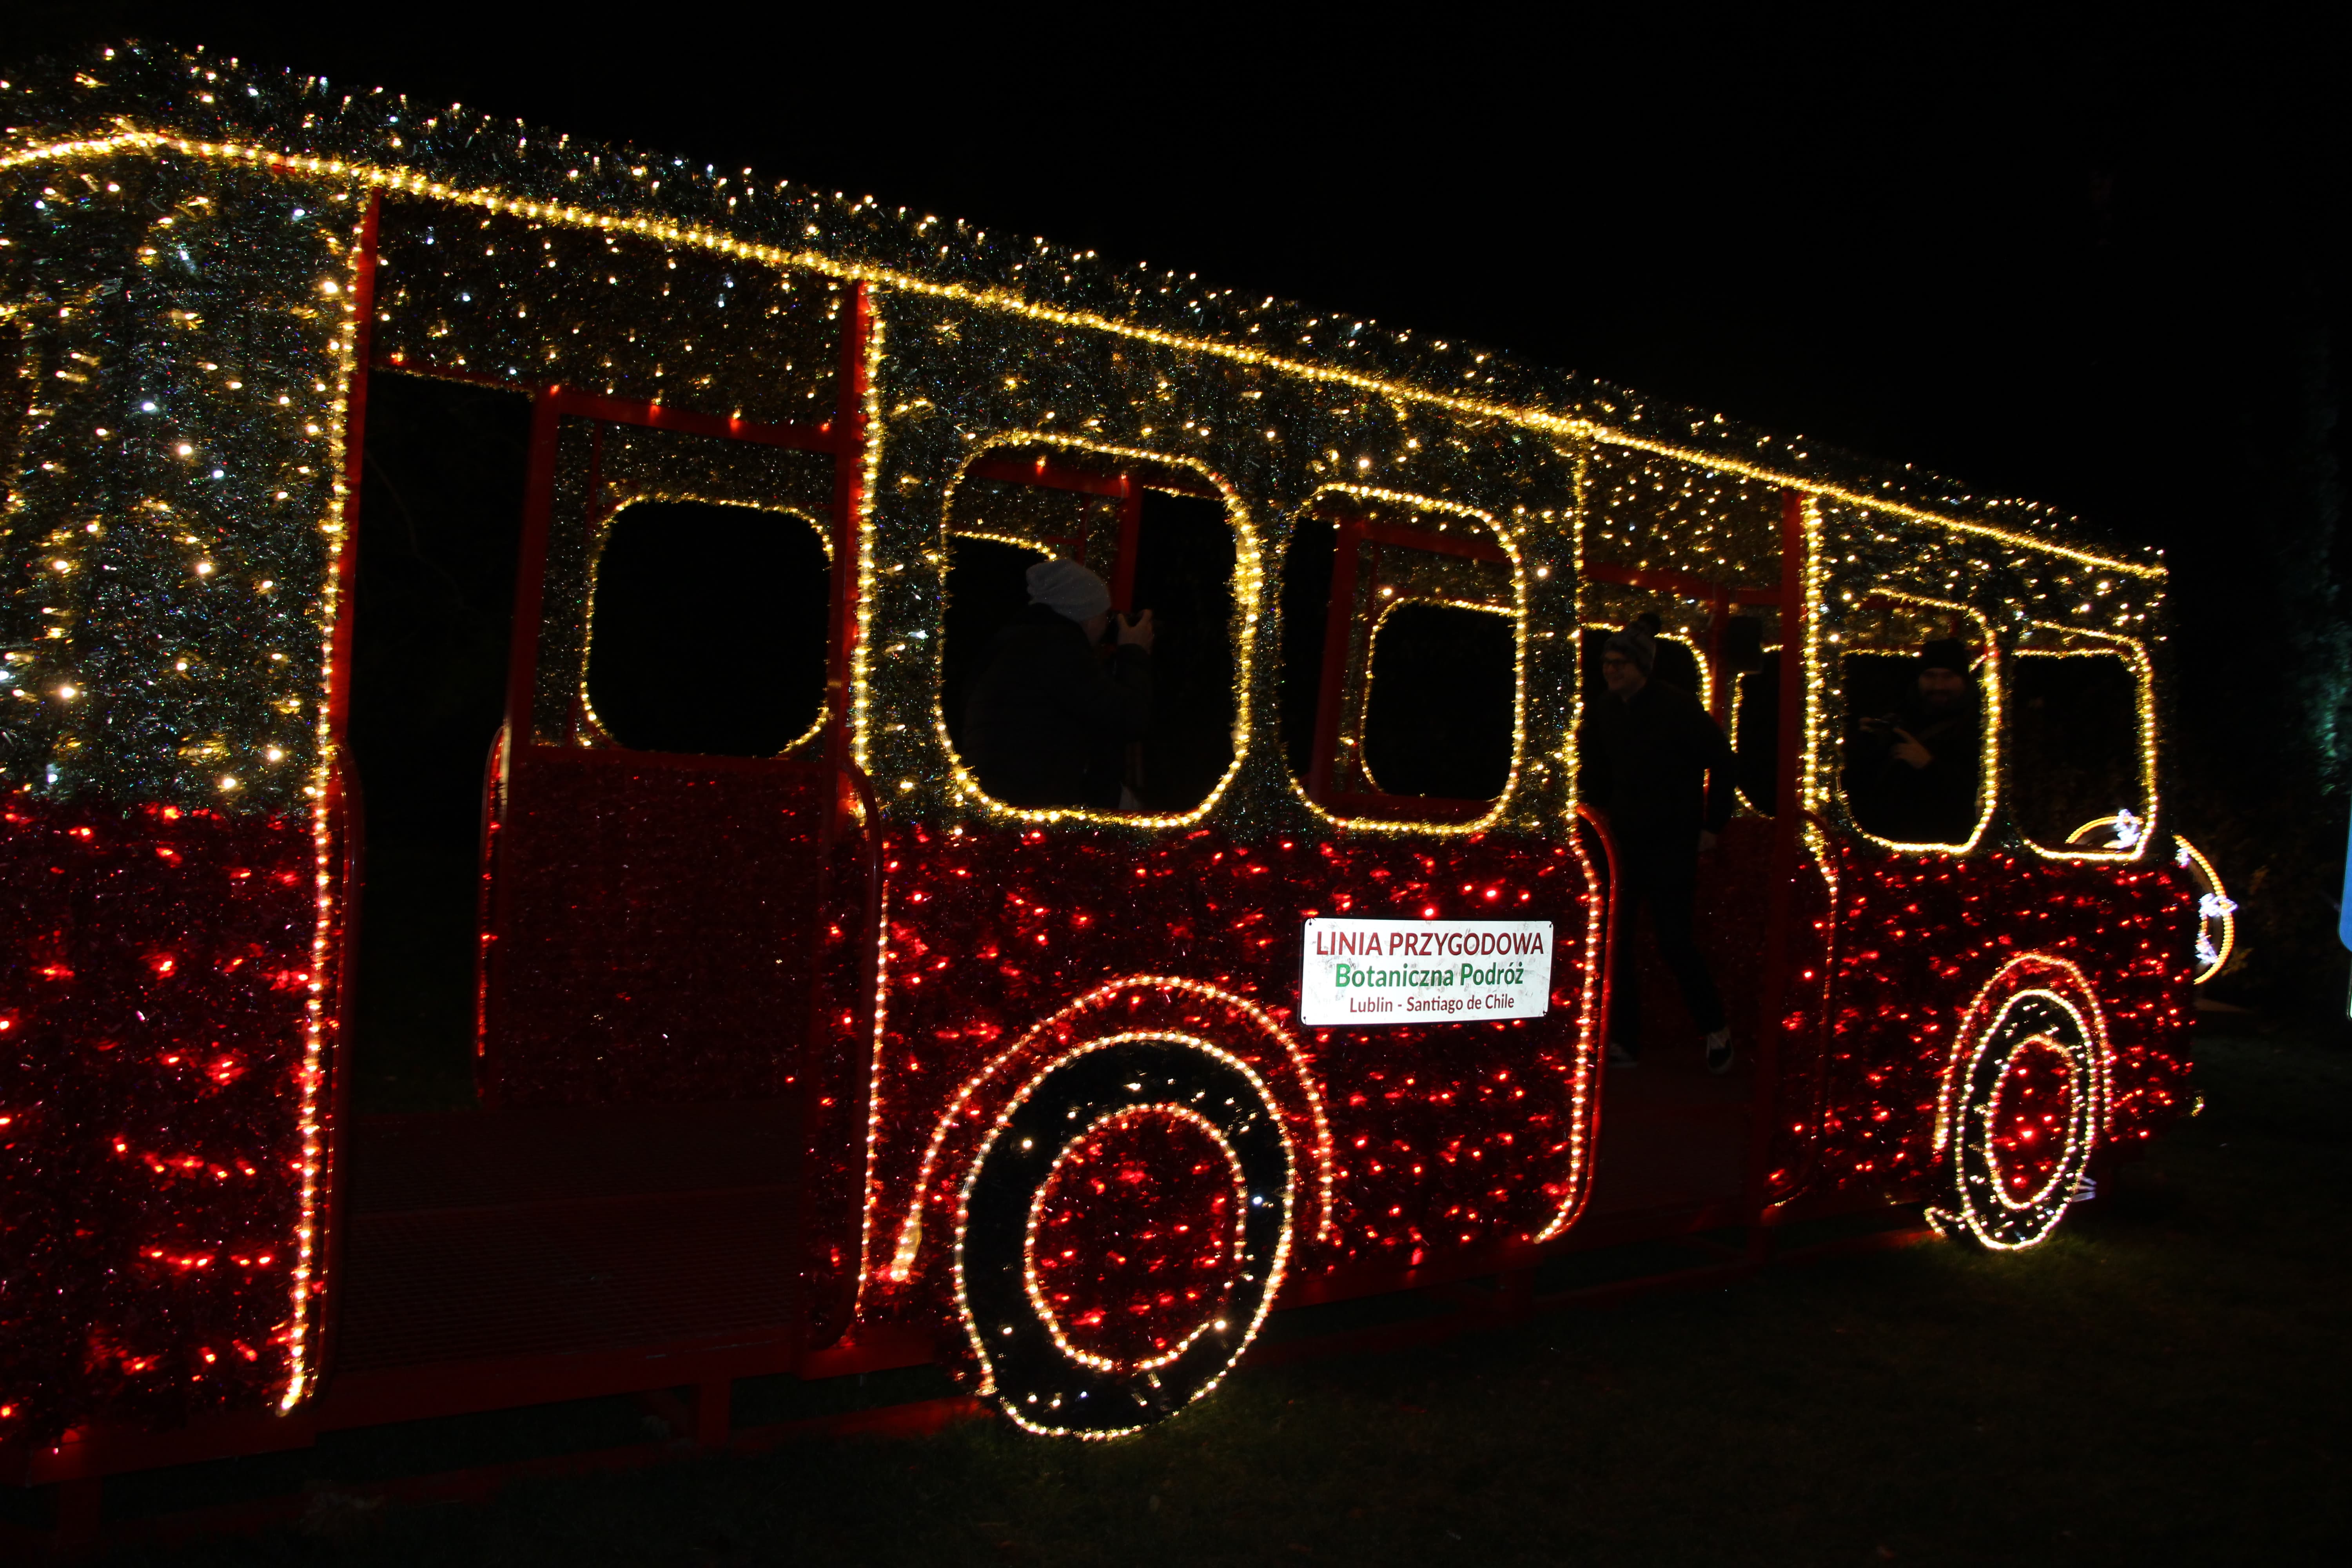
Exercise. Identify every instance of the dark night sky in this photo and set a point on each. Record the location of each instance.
(2091, 255)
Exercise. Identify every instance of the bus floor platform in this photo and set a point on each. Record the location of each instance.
(530, 1239)
(1673, 1136)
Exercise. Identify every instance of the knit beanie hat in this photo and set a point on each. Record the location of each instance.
(1636, 644)
(1945, 653)
(1068, 589)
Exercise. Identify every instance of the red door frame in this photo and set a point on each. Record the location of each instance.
(843, 437)
(554, 402)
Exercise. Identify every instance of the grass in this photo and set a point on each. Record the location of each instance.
(2165, 1381)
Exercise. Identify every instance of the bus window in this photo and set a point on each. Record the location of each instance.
(1160, 539)
(1401, 682)
(707, 630)
(2072, 723)
(1929, 794)
(1437, 717)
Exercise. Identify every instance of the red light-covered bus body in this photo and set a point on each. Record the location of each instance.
(813, 1058)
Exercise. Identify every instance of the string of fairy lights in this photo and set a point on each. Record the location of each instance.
(187, 287)
(1703, 550)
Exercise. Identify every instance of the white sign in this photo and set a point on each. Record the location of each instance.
(1424, 972)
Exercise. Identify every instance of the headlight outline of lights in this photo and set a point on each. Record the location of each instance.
(2031, 1012)
(2216, 912)
(2213, 903)
(1042, 1383)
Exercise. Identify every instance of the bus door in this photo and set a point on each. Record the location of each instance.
(1675, 1136)
(666, 779)
(1713, 643)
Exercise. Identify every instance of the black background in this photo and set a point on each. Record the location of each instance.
(2095, 256)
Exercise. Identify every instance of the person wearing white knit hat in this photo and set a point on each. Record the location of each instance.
(1070, 591)
(1048, 721)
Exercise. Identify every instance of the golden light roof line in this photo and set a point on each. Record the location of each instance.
(1826, 492)
(999, 299)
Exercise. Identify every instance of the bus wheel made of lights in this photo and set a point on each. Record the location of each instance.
(1121, 1235)
(2023, 1100)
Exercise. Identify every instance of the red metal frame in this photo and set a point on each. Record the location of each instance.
(1338, 616)
(843, 437)
(346, 808)
(1682, 584)
(1338, 621)
(522, 656)
(1718, 610)
(1720, 598)
(1050, 475)
(554, 403)
(1130, 535)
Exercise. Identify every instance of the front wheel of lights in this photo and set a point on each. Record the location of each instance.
(2022, 1104)
(1123, 1232)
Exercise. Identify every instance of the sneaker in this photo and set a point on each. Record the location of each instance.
(1619, 1057)
(1718, 1051)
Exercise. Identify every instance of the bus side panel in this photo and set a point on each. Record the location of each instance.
(652, 935)
(1920, 935)
(1444, 1136)
(152, 1086)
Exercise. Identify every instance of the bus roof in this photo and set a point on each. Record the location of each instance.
(133, 98)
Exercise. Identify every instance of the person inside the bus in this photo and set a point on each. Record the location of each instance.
(1048, 721)
(1667, 774)
(1922, 788)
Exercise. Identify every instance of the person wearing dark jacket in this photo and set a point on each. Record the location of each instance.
(1048, 723)
(1654, 753)
(1921, 786)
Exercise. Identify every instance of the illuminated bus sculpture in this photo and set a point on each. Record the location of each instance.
(1047, 1102)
